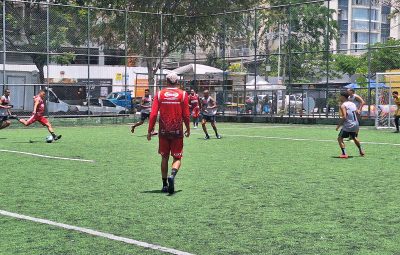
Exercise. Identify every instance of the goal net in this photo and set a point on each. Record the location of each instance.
(384, 106)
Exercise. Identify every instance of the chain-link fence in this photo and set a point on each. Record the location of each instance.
(290, 59)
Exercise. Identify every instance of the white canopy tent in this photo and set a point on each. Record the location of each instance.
(261, 84)
(196, 68)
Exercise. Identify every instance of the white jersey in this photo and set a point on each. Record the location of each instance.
(207, 106)
(147, 101)
(353, 99)
(4, 101)
(351, 122)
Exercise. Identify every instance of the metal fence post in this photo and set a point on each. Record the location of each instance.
(289, 87)
(4, 44)
(88, 60)
(161, 48)
(224, 64)
(195, 55)
(255, 62)
(126, 59)
(48, 54)
(327, 48)
(369, 59)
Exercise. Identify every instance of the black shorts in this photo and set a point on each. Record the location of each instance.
(208, 118)
(345, 134)
(144, 116)
(4, 118)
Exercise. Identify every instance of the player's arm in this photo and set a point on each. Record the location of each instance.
(361, 103)
(343, 118)
(186, 114)
(4, 106)
(153, 117)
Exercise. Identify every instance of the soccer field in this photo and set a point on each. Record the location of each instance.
(262, 189)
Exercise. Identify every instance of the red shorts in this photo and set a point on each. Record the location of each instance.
(196, 112)
(171, 145)
(41, 119)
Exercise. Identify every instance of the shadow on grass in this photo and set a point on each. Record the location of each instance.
(341, 158)
(30, 141)
(158, 191)
(3, 138)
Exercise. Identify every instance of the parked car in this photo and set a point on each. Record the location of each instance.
(101, 106)
(125, 100)
(56, 105)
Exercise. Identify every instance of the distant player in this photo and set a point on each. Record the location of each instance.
(350, 124)
(396, 98)
(173, 105)
(356, 99)
(208, 111)
(5, 107)
(38, 114)
(194, 107)
(146, 104)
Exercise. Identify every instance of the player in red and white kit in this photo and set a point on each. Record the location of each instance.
(194, 107)
(38, 114)
(173, 105)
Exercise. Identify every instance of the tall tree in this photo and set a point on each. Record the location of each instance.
(179, 33)
(305, 30)
(26, 31)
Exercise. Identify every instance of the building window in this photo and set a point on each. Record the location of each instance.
(364, 14)
(364, 25)
(362, 38)
(365, 2)
(343, 14)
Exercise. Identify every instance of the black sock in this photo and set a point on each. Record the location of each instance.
(343, 151)
(174, 172)
(53, 134)
(359, 148)
(207, 135)
(164, 181)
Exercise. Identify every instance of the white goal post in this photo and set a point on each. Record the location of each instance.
(384, 106)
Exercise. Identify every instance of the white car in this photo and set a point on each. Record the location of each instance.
(101, 106)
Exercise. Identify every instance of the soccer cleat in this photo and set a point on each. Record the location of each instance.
(133, 129)
(219, 137)
(207, 137)
(344, 156)
(57, 137)
(164, 189)
(362, 153)
(171, 184)
(154, 133)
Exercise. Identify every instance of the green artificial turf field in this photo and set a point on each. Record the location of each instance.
(262, 189)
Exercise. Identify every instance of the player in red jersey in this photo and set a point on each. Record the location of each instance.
(194, 107)
(173, 105)
(38, 114)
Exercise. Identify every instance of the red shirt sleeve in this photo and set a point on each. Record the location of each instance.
(153, 114)
(186, 111)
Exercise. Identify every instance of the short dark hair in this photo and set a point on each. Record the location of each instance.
(395, 92)
(147, 90)
(352, 90)
(344, 94)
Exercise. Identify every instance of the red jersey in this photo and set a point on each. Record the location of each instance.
(40, 107)
(193, 101)
(173, 105)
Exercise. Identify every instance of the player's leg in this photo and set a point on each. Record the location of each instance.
(396, 122)
(164, 150)
(4, 123)
(213, 124)
(203, 125)
(164, 172)
(358, 144)
(143, 117)
(45, 122)
(342, 146)
(29, 121)
(176, 152)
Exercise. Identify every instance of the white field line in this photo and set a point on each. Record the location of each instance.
(46, 156)
(95, 233)
(298, 139)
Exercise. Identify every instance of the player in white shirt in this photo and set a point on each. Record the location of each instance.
(208, 108)
(5, 106)
(350, 124)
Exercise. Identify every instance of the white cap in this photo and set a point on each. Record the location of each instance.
(172, 77)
